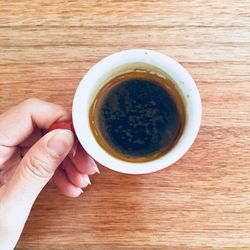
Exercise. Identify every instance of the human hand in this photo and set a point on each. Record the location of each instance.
(22, 179)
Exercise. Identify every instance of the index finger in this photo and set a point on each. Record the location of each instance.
(17, 123)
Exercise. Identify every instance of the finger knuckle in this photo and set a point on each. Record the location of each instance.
(30, 102)
(39, 167)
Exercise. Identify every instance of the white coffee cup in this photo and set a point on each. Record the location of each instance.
(126, 61)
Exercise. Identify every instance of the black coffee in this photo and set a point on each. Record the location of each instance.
(137, 116)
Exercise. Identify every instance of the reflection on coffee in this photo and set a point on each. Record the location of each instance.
(137, 116)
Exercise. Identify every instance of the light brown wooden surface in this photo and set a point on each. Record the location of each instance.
(201, 202)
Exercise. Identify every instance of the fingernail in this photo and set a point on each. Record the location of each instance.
(86, 179)
(94, 166)
(74, 148)
(60, 142)
(79, 190)
(96, 169)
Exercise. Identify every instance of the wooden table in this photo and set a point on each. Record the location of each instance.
(201, 202)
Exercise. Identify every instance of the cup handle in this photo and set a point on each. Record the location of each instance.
(66, 125)
(62, 125)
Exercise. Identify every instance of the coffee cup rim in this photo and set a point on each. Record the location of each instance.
(84, 96)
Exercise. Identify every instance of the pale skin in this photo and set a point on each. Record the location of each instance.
(29, 160)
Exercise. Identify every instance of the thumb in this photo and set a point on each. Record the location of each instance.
(40, 162)
(33, 172)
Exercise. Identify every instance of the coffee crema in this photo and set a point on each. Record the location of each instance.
(137, 116)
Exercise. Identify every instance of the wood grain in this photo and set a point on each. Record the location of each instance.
(202, 201)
